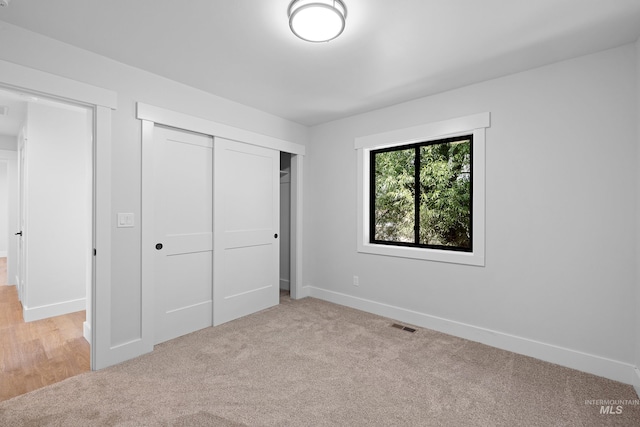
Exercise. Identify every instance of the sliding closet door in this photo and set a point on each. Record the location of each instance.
(183, 223)
(246, 244)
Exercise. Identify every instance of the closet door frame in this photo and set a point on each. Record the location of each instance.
(151, 115)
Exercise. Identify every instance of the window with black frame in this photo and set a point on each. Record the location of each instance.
(421, 195)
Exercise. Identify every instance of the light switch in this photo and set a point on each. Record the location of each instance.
(125, 220)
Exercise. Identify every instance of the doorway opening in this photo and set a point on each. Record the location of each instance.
(285, 226)
(46, 149)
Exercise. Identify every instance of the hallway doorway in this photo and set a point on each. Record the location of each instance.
(46, 148)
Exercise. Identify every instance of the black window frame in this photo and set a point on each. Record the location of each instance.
(372, 195)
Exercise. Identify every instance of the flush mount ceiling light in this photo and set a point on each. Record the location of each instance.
(317, 20)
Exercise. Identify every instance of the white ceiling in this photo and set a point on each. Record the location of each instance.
(390, 52)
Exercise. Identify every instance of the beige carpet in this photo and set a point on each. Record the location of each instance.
(313, 363)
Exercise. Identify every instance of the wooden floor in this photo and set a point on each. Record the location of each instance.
(3, 271)
(39, 353)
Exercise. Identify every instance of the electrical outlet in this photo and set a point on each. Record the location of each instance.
(356, 281)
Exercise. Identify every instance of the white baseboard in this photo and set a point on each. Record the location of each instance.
(596, 365)
(636, 380)
(305, 291)
(86, 331)
(3, 254)
(284, 284)
(42, 312)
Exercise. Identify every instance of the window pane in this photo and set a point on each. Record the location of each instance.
(394, 187)
(445, 194)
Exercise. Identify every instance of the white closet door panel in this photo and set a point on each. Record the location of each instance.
(183, 174)
(246, 247)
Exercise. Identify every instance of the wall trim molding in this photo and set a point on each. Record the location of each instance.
(44, 311)
(590, 363)
(18, 77)
(305, 292)
(191, 123)
(86, 331)
(444, 128)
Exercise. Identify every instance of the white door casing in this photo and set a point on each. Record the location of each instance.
(183, 252)
(246, 223)
(29, 80)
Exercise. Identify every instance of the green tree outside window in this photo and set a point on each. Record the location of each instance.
(435, 213)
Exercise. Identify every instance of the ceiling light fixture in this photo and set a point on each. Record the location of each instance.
(317, 20)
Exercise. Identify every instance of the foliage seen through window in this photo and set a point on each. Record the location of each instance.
(434, 213)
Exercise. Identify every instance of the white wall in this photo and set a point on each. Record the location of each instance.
(8, 142)
(9, 159)
(561, 184)
(4, 208)
(131, 85)
(8, 147)
(14, 223)
(57, 224)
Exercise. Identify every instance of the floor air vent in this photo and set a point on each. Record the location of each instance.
(404, 328)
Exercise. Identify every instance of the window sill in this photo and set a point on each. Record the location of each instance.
(466, 258)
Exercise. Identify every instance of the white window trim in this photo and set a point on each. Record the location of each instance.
(475, 124)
